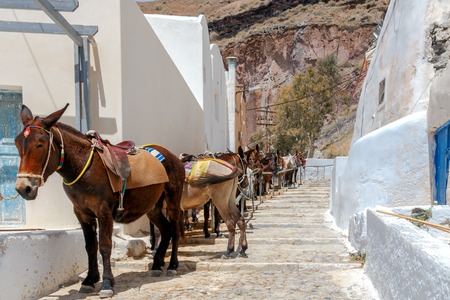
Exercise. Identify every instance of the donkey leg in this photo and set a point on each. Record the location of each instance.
(154, 237)
(232, 233)
(89, 227)
(176, 231)
(243, 246)
(187, 225)
(206, 207)
(105, 222)
(156, 216)
(217, 218)
(194, 215)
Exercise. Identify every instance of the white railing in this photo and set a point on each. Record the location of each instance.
(318, 169)
(315, 169)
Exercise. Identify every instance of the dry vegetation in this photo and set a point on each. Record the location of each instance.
(212, 9)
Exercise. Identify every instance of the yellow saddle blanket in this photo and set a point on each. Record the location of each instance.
(145, 169)
(209, 166)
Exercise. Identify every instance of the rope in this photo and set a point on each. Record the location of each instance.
(249, 188)
(50, 144)
(50, 147)
(84, 169)
(8, 198)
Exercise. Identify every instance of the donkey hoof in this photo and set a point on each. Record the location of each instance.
(225, 256)
(155, 273)
(86, 289)
(106, 293)
(172, 272)
(242, 254)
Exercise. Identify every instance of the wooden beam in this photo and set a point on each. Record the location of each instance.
(59, 5)
(30, 27)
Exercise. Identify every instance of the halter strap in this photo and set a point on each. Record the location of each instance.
(50, 146)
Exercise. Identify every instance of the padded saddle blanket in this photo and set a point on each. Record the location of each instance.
(211, 166)
(145, 169)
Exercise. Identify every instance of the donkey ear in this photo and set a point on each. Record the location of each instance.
(25, 115)
(241, 151)
(51, 119)
(257, 147)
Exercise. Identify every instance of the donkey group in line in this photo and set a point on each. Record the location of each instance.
(256, 171)
(109, 183)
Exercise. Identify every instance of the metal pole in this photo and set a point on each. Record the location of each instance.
(59, 20)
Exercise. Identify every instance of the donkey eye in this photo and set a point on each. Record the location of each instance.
(39, 146)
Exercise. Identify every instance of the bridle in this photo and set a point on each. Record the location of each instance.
(50, 147)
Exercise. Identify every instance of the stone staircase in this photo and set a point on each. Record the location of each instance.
(293, 254)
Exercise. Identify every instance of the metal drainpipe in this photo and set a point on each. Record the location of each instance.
(231, 92)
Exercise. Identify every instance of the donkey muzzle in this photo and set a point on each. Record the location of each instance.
(28, 187)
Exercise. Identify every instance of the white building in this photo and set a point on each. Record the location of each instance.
(152, 79)
(396, 158)
(202, 68)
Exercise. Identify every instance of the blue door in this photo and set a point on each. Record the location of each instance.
(441, 164)
(12, 212)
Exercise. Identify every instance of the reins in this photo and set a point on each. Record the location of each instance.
(244, 169)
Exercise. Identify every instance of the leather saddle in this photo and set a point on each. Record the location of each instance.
(115, 157)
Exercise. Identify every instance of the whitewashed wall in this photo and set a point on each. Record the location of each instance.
(217, 135)
(35, 264)
(391, 157)
(388, 166)
(186, 39)
(400, 59)
(137, 90)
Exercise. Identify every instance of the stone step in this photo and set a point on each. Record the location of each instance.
(289, 206)
(298, 222)
(311, 225)
(240, 266)
(287, 214)
(283, 266)
(268, 232)
(304, 195)
(296, 199)
(295, 217)
(267, 240)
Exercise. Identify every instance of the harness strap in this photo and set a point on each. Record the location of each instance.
(122, 194)
(50, 146)
(84, 169)
(61, 158)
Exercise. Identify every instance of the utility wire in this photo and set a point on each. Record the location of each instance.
(304, 97)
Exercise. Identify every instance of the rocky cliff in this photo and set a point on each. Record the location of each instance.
(273, 40)
(268, 60)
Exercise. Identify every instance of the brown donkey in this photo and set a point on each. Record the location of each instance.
(46, 146)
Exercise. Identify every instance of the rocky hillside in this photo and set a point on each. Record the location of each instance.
(275, 39)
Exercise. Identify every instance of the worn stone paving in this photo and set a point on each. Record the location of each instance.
(293, 254)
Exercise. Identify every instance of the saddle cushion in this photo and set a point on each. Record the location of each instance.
(188, 168)
(145, 169)
(210, 166)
